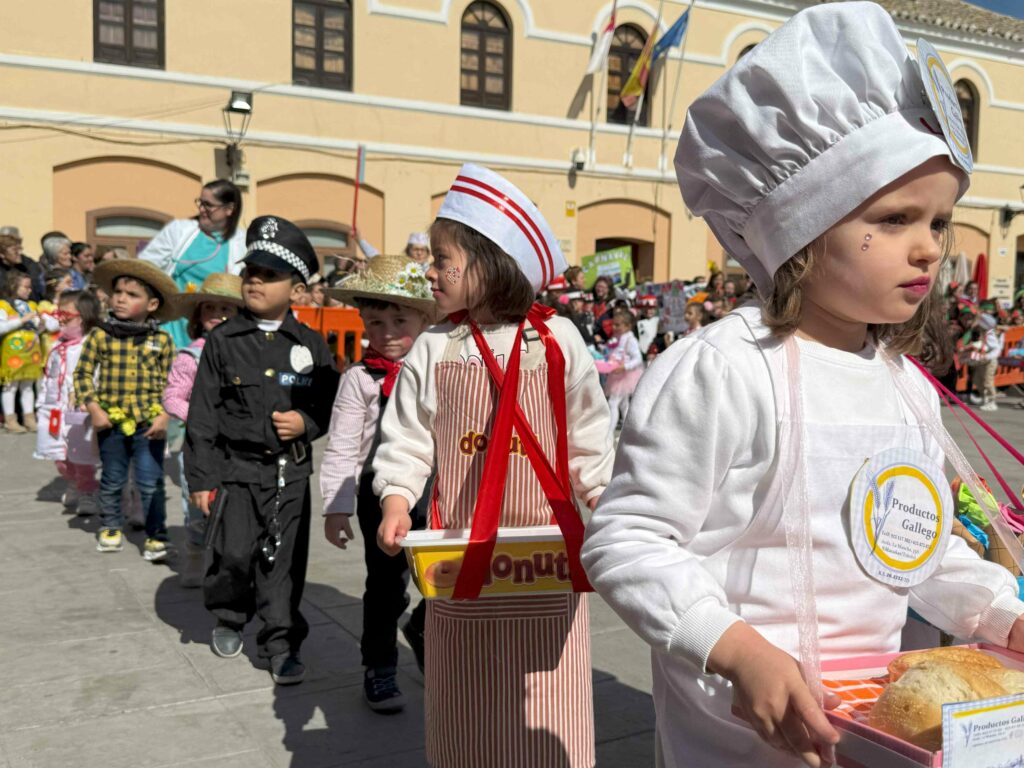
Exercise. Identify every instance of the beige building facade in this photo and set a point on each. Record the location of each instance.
(111, 113)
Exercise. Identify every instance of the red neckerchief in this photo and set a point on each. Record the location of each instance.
(374, 359)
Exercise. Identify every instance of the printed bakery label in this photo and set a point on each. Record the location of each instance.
(900, 516)
(939, 87)
(538, 565)
(984, 734)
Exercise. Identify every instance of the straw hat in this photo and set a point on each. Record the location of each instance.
(218, 286)
(397, 279)
(106, 273)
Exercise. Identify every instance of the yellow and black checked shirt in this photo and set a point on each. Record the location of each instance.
(128, 373)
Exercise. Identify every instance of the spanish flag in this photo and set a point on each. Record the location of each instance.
(637, 82)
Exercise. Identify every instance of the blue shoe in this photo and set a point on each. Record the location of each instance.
(380, 689)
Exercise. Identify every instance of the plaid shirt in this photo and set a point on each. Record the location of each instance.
(128, 373)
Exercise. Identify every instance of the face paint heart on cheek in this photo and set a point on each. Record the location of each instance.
(453, 275)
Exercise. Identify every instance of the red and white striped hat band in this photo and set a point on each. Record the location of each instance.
(497, 209)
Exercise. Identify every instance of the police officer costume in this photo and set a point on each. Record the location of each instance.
(251, 368)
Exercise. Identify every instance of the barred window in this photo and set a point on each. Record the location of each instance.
(967, 95)
(627, 43)
(322, 43)
(129, 32)
(486, 57)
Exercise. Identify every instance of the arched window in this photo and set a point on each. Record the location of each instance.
(486, 79)
(967, 95)
(127, 228)
(627, 43)
(331, 240)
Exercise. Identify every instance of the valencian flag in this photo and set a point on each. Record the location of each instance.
(603, 45)
(634, 87)
(672, 38)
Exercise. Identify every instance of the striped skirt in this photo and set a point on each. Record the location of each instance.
(508, 683)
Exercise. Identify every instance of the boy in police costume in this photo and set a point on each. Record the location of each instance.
(263, 393)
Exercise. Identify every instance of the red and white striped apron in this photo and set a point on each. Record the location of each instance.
(508, 680)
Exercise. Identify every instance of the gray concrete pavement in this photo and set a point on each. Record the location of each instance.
(107, 663)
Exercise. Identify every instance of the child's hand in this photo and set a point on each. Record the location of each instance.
(288, 425)
(770, 693)
(338, 530)
(1016, 640)
(100, 419)
(29, 318)
(395, 524)
(201, 501)
(158, 429)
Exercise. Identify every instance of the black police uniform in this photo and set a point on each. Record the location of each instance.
(245, 374)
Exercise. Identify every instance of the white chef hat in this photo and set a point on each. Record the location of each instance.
(820, 116)
(418, 240)
(497, 209)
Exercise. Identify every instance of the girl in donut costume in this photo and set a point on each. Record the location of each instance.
(828, 161)
(508, 678)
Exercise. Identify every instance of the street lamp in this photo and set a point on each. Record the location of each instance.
(1009, 213)
(237, 115)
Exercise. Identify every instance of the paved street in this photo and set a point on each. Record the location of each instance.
(108, 665)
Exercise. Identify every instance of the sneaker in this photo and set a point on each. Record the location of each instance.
(380, 689)
(155, 550)
(414, 637)
(286, 669)
(109, 540)
(226, 641)
(975, 399)
(70, 498)
(990, 406)
(88, 505)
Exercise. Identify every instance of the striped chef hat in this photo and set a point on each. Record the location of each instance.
(497, 209)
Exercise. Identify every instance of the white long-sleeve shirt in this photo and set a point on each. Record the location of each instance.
(405, 457)
(349, 439)
(693, 465)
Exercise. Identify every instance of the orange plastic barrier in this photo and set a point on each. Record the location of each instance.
(1006, 375)
(341, 327)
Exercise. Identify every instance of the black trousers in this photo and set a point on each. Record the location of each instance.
(387, 581)
(240, 583)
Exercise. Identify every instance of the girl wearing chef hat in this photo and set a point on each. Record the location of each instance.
(828, 162)
(521, 663)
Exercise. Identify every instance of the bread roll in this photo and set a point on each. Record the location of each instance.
(955, 655)
(911, 707)
(1010, 679)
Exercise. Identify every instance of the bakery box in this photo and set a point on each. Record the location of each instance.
(858, 682)
(526, 561)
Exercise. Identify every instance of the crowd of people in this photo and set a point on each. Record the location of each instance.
(477, 410)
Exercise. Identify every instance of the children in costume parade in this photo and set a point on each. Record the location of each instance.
(521, 664)
(21, 350)
(396, 306)
(262, 395)
(624, 354)
(217, 300)
(65, 435)
(821, 165)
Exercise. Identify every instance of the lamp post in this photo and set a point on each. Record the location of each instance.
(237, 115)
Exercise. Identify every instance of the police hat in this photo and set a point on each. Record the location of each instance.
(277, 244)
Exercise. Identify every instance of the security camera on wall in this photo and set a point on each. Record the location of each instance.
(578, 159)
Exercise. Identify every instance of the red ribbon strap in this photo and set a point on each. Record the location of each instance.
(555, 484)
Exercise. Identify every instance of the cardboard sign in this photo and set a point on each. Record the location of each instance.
(616, 263)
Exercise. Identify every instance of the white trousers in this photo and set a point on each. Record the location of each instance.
(24, 388)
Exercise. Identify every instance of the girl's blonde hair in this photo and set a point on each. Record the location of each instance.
(782, 309)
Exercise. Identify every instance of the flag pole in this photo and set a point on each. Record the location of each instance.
(627, 160)
(675, 90)
(594, 97)
(355, 194)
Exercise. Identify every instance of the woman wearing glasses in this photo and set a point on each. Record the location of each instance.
(191, 249)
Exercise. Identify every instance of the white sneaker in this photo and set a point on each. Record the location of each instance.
(988, 407)
(88, 505)
(975, 399)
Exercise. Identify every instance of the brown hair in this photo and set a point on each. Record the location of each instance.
(14, 277)
(782, 309)
(87, 306)
(504, 293)
(624, 315)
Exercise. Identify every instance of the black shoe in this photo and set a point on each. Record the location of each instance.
(380, 689)
(414, 637)
(226, 641)
(286, 669)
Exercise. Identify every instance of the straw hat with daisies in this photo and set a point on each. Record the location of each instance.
(396, 279)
